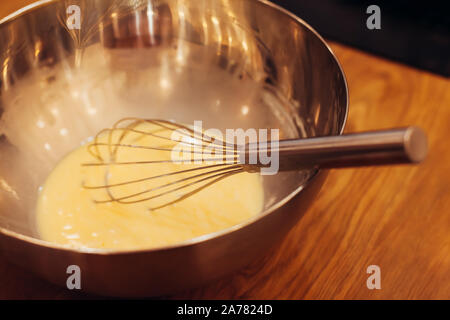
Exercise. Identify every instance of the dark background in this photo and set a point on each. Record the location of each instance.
(416, 33)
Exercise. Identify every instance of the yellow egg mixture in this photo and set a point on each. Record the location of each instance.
(68, 214)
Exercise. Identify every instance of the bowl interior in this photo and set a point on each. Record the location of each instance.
(217, 61)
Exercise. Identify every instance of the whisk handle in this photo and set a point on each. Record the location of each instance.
(395, 146)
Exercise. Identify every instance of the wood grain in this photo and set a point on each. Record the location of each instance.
(394, 217)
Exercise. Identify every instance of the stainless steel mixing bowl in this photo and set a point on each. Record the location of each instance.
(230, 63)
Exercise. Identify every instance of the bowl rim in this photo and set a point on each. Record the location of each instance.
(209, 236)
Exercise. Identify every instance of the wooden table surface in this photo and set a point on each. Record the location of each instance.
(395, 217)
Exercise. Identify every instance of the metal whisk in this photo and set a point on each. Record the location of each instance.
(187, 160)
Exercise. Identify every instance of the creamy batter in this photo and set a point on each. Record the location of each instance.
(68, 214)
